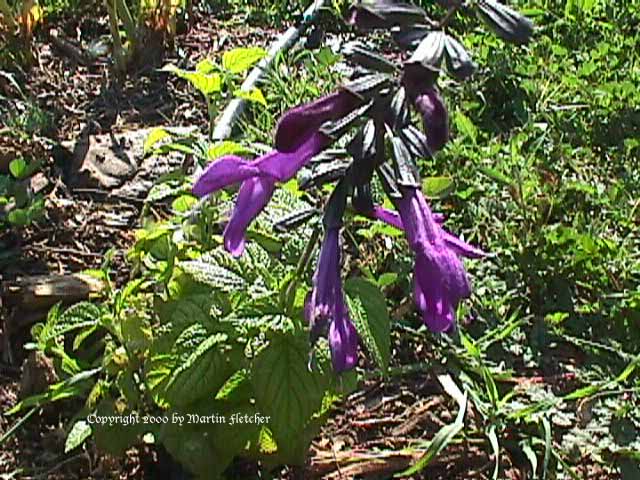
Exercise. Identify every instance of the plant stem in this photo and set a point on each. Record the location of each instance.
(303, 263)
(449, 15)
(18, 424)
(118, 50)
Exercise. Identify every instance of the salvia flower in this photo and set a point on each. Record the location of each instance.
(440, 281)
(434, 118)
(298, 139)
(423, 92)
(325, 306)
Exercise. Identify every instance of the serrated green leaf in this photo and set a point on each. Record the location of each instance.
(285, 389)
(79, 316)
(241, 59)
(206, 83)
(226, 147)
(80, 431)
(266, 443)
(213, 275)
(369, 312)
(206, 66)
(202, 374)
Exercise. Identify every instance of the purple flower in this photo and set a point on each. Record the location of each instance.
(461, 248)
(440, 281)
(253, 196)
(424, 94)
(325, 306)
(298, 139)
(434, 118)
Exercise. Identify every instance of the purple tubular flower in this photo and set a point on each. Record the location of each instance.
(298, 139)
(460, 247)
(253, 196)
(440, 281)
(434, 118)
(325, 306)
(224, 172)
(343, 340)
(298, 124)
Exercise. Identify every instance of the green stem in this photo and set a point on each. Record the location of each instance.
(127, 21)
(19, 423)
(303, 263)
(118, 49)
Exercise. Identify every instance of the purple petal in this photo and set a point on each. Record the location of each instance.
(327, 287)
(343, 341)
(283, 166)
(300, 123)
(254, 195)
(393, 218)
(437, 312)
(387, 216)
(462, 248)
(223, 172)
(434, 117)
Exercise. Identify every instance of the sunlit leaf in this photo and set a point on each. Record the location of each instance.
(241, 59)
(253, 95)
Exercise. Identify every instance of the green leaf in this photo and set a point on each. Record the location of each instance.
(437, 187)
(285, 389)
(203, 373)
(71, 387)
(207, 272)
(18, 217)
(266, 443)
(184, 203)
(226, 147)
(206, 66)
(80, 431)
(156, 135)
(253, 95)
(497, 176)
(387, 279)
(18, 168)
(206, 83)
(369, 312)
(77, 317)
(444, 436)
(466, 126)
(239, 60)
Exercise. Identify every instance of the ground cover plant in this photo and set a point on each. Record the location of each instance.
(537, 174)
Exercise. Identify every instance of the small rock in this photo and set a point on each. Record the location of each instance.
(38, 373)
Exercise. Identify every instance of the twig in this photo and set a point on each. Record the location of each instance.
(70, 251)
(18, 424)
(236, 107)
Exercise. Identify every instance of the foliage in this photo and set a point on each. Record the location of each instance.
(542, 172)
(215, 82)
(19, 207)
(146, 24)
(17, 24)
